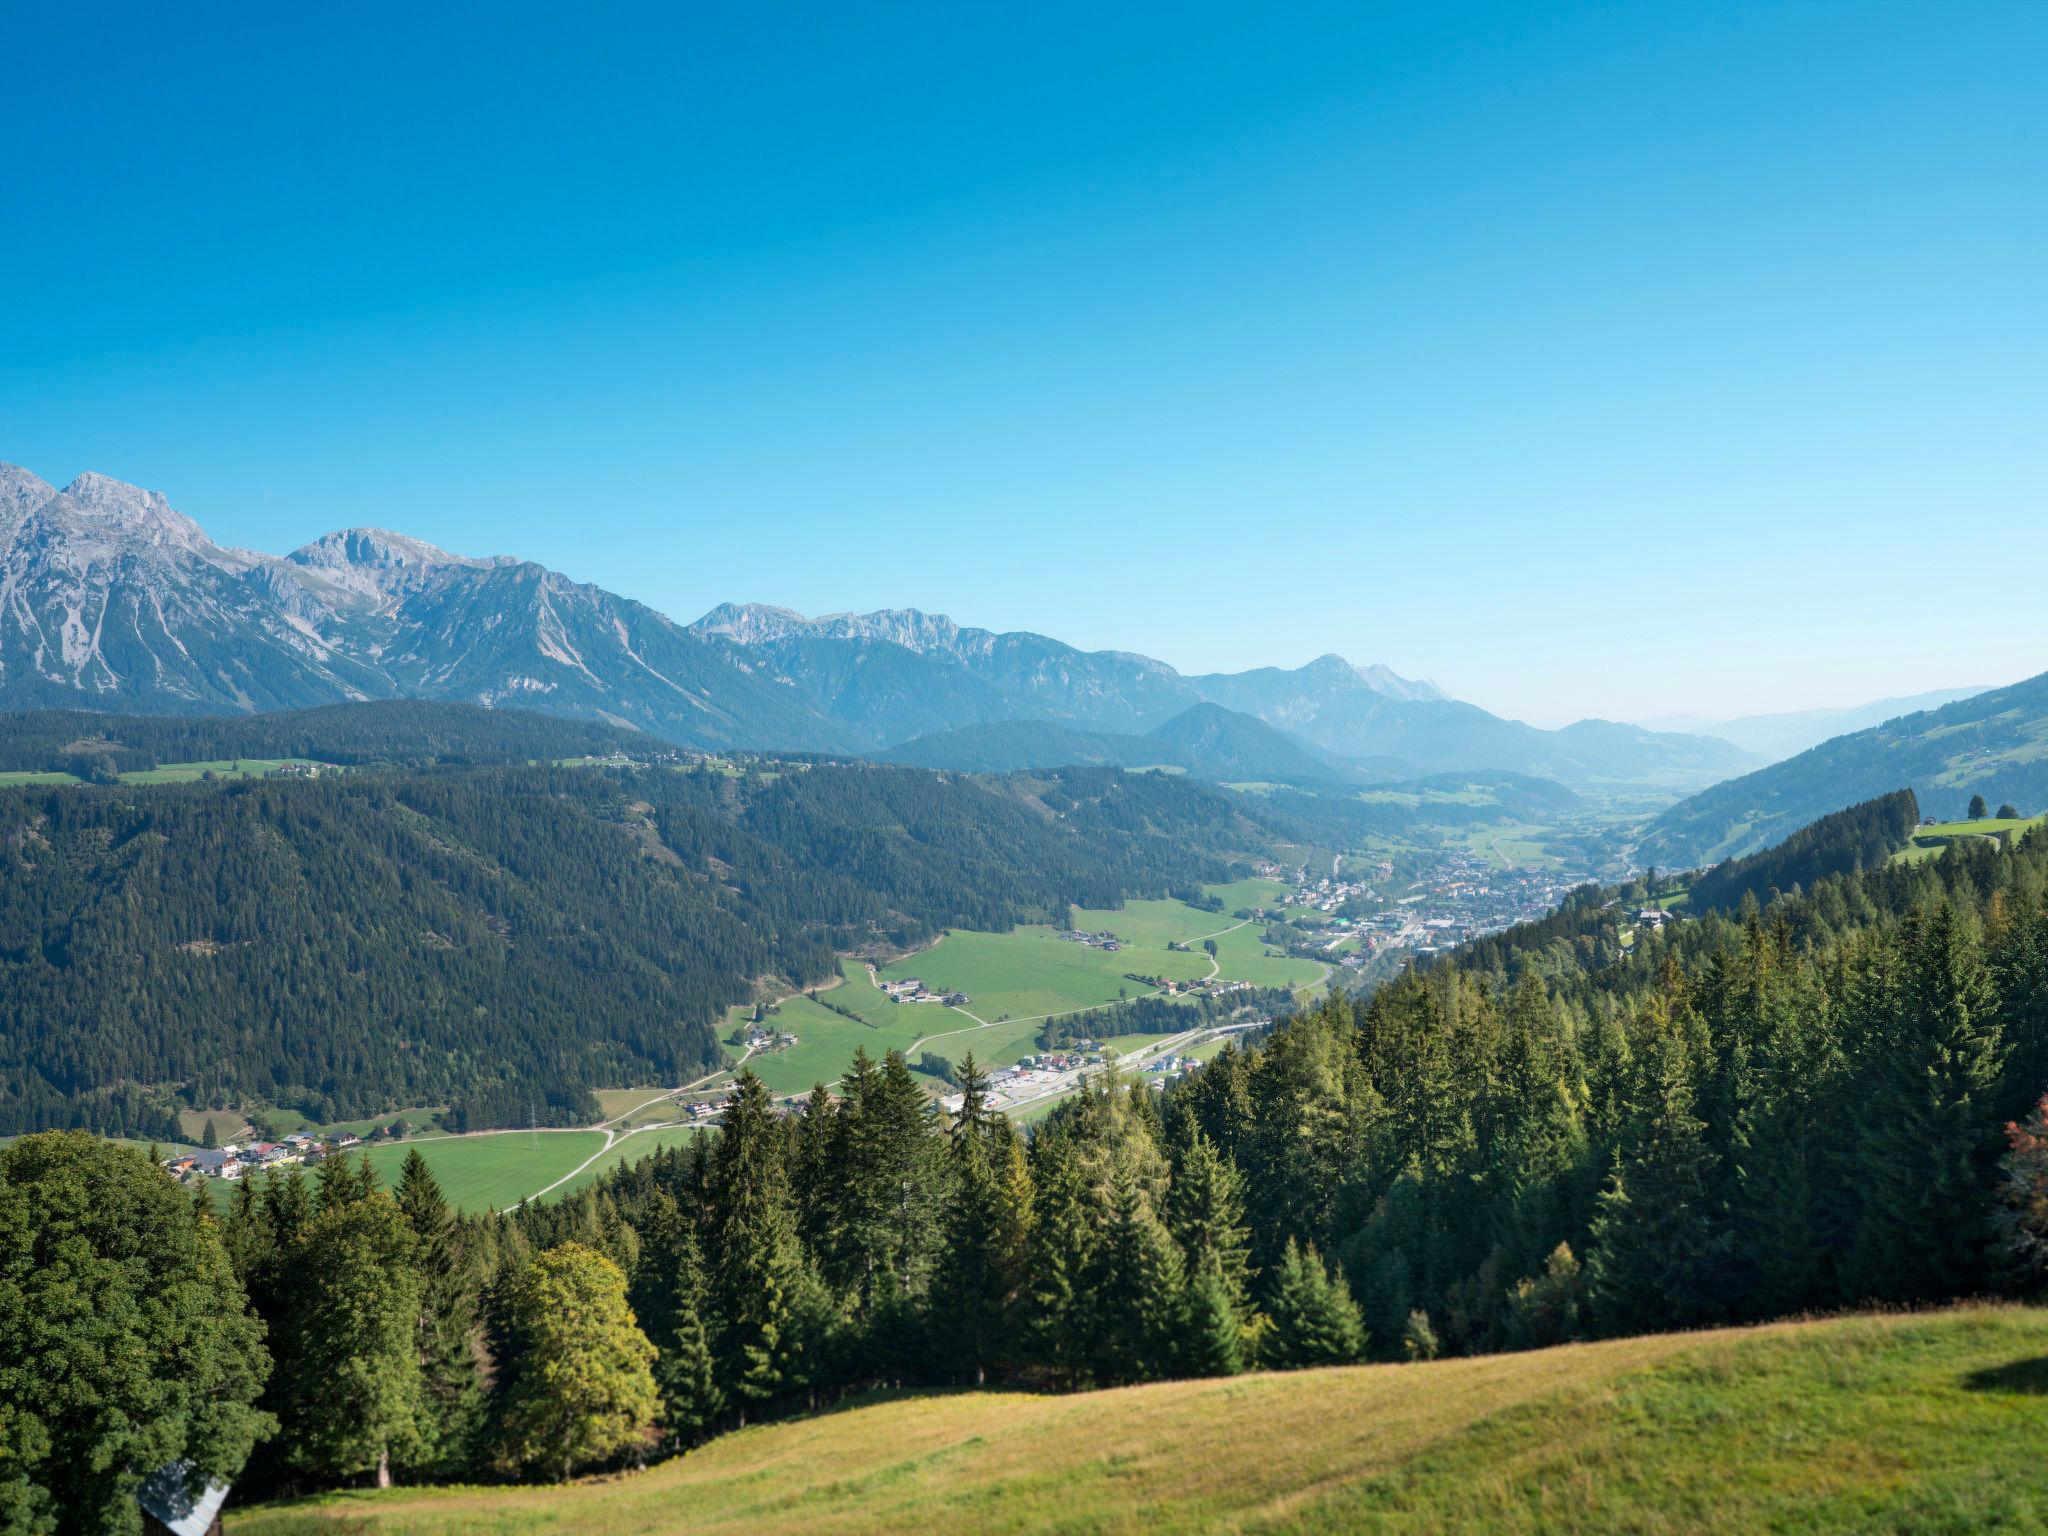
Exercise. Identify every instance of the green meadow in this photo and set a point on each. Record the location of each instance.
(1928, 841)
(225, 768)
(1932, 1422)
(1032, 972)
(493, 1171)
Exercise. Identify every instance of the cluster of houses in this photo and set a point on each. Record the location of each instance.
(760, 1039)
(1107, 942)
(237, 1159)
(1084, 1054)
(910, 990)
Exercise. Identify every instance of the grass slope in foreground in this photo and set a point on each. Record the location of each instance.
(1927, 1423)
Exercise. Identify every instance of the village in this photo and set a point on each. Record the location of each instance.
(1354, 920)
(237, 1159)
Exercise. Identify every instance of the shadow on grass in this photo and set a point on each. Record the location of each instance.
(2029, 1377)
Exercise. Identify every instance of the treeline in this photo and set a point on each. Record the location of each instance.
(398, 732)
(383, 940)
(1840, 844)
(1159, 1015)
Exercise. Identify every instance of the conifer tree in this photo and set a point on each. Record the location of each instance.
(1315, 1321)
(1930, 1144)
(1658, 1252)
(451, 1279)
(670, 1302)
(1136, 1287)
(755, 1257)
(1061, 1254)
(987, 1229)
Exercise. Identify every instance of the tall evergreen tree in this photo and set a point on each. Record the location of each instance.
(755, 1259)
(1659, 1251)
(1315, 1321)
(1929, 1147)
(347, 1390)
(669, 1299)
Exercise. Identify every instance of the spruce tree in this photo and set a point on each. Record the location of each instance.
(1061, 1252)
(1929, 1149)
(670, 1301)
(1315, 1321)
(1136, 1286)
(1658, 1250)
(451, 1279)
(755, 1259)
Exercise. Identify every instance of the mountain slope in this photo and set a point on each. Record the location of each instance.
(375, 940)
(1779, 736)
(1845, 1425)
(389, 731)
(1994, 744)
(875, 672)
(110, 599)
(1206, 740)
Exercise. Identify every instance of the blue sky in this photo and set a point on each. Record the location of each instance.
(1621, 360)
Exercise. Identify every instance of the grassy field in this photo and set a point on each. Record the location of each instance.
(627, 1149)
(495, 1172)
(1928, 841)
(826, 1040)
(36, 776)
(1013, 981)
(1032, 971)
(224, 768)
(1931, 1423)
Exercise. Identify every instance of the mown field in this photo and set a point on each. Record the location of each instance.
(495, 1171)
(1930, 1423)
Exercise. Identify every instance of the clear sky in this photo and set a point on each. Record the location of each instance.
(1623, 360)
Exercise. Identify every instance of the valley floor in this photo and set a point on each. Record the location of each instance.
(1929, 1423)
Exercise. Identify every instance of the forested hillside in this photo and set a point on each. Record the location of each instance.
(391, 731)
(1859, 838)
(489, 937)
(1992, 744)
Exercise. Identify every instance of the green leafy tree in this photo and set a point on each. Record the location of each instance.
(2008, 812)
(125, 1344)
(348, 1388)
(1977, 810)
(583, 1389)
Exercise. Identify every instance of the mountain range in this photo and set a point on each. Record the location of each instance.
(111, 599)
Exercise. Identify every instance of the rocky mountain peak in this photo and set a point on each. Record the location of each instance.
(101, 506)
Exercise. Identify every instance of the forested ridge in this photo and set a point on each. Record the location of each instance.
(402, 732)
(504, 939)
